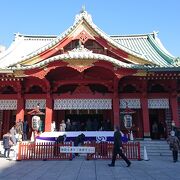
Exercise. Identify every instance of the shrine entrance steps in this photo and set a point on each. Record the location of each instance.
(155, 148)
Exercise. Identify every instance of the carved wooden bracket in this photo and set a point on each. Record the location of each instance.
(82, 89)
(80, 68)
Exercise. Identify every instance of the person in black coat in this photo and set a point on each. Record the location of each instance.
(79, 140)
(117, 148)
(58, 141)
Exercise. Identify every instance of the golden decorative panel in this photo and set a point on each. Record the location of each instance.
(31, 61)
(80, 62)
(19, 73)
(140, 73)
(138, 60)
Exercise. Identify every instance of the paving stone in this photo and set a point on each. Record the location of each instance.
(159, 167)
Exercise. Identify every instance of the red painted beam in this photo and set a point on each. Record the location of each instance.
(49, 52)
(107, 45)
(83, 96)
(41, 72)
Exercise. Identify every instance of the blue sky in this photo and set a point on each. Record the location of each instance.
(115, 17)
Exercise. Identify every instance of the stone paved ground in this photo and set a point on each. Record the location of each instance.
(159, 168)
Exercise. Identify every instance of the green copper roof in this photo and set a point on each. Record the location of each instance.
(164, 55)
(146, 45)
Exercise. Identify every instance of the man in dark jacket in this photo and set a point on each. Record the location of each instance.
(79, 140)
(117, 148)
(59, 141)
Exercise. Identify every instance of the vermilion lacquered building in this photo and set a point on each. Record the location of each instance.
(85, 73)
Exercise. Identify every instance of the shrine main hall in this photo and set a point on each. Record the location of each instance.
(84, 74)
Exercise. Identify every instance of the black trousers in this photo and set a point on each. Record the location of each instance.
(6, 151)
(115, 153)
(175, 155)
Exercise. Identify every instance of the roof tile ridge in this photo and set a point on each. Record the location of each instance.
(129, 36)
(112, 41)
(34, 35)
(159, 47)
(158, 41)
(132, 35)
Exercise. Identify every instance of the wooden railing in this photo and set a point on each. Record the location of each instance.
(104, 150)
(51, 151)
(42, 151)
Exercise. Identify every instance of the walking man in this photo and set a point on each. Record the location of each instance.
(117, 148)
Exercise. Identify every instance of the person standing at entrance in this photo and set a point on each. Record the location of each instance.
(19, 129)
(53, 126)
(68, 125)
(118, 148)
(62, 126)
(14, 134)
(155, 130)
(25, 130)
(174, 145)
(161, 129)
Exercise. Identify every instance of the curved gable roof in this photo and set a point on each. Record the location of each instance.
(140, 46)
(84, 17)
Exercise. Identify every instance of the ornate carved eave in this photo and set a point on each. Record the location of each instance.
(80, 49)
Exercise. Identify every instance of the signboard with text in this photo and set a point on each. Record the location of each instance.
(35, 122)
(78, 149)
(128, 120)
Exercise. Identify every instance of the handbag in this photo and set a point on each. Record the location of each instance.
(10, 143)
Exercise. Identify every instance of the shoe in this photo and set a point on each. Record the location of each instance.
(129, 164)
(111, 165)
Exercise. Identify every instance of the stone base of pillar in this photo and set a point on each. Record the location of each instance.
(147, 135)
(147, 139)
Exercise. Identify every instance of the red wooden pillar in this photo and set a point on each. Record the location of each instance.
(1, 123)
(145, 115)
(116, 103)
(20, 109)
(174, 109)
(116, 111)
(48, 114)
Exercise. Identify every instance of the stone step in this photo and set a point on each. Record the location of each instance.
(155, 148)
(153, 142)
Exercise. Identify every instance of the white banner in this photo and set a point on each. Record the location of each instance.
(78, 149)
